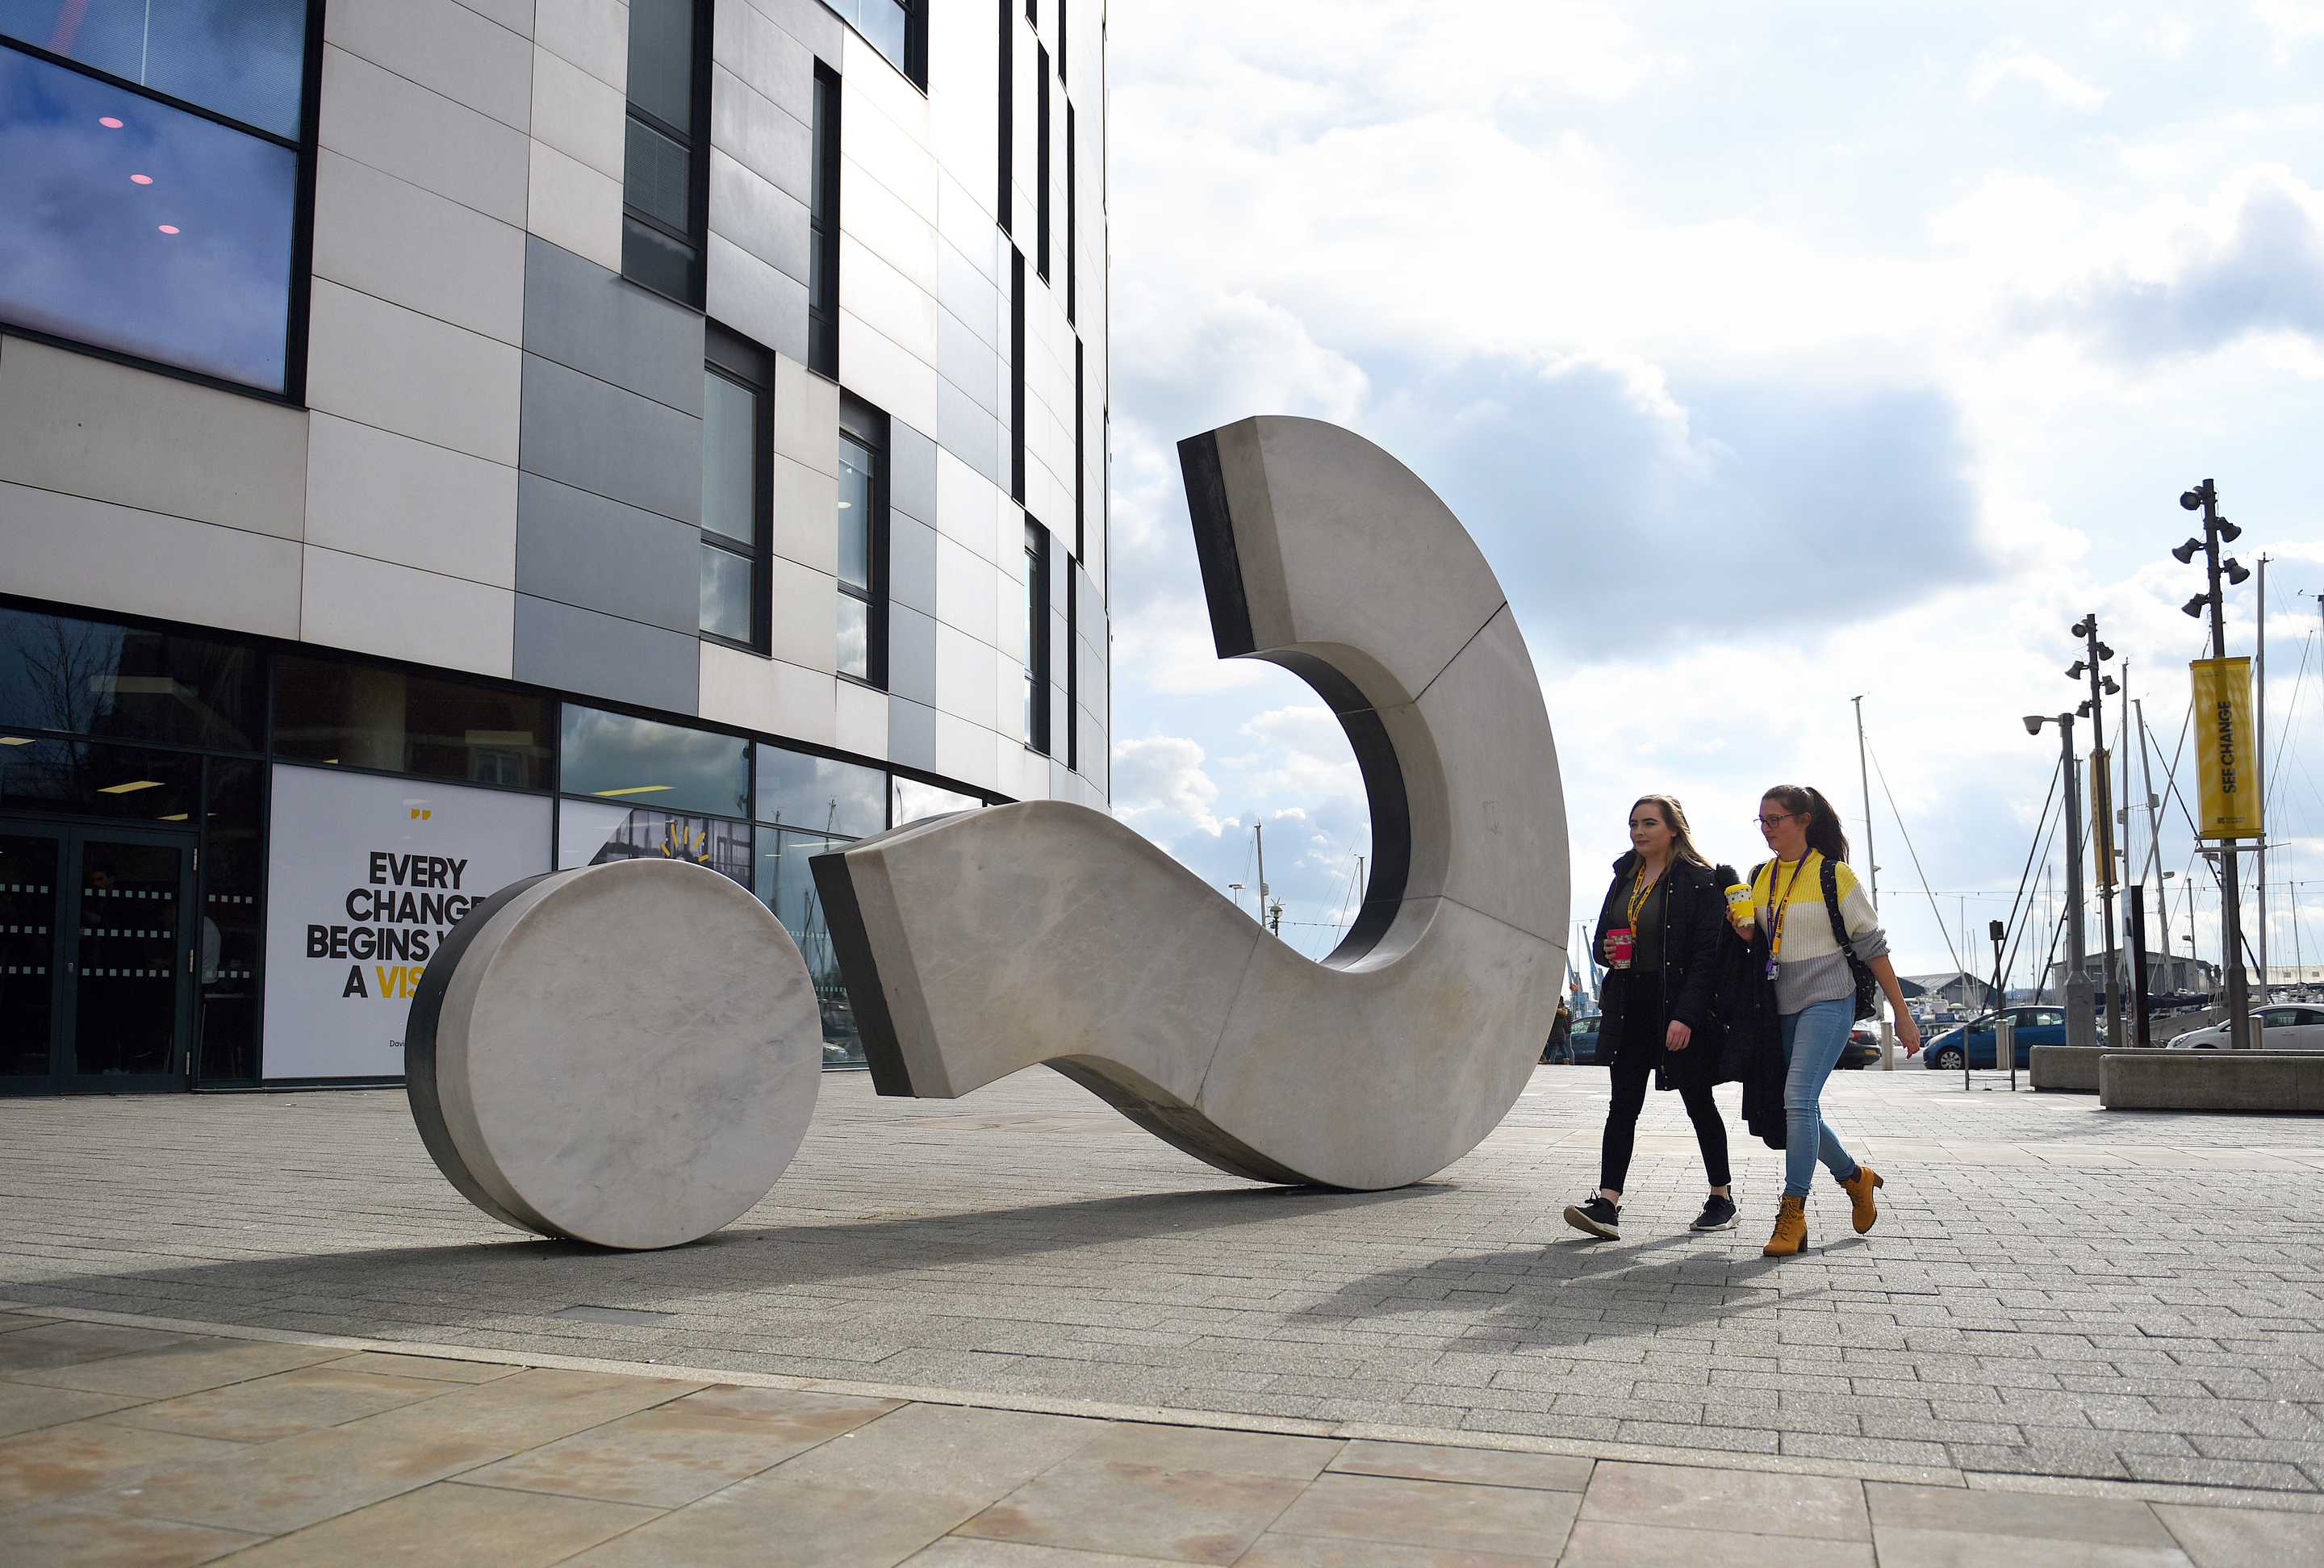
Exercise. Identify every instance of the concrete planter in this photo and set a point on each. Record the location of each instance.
(2247, 1081)
(2066, 1069)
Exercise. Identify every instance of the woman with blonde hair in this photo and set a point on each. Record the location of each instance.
(1658, 936)
(1824, 947)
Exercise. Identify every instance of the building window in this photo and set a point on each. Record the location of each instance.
(1036, 637)
(595, 833)
(809, 805)
(617, 758)
(898, 29)
(1061, 44)
(737, 476)
(915, 801)
(1081, 456)
(664, 183)
(164, 234)
(822, 230)
(339, 714)
(126, 682)
(1006, 198)
(1073, 669)
(863, 619)
(1017, 375)
(1073, 210)
(820, 794)
(1041, 163)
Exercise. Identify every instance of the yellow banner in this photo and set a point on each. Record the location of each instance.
(2102, 816)
(2224, 765)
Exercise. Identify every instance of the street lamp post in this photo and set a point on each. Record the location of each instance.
(2081, 1025)
(2102, 686)
(2205, 498)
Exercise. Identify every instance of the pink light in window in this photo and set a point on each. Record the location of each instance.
(141, 180)
(108, 122)
(168, 228)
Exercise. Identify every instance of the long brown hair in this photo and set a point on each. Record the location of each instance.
(1825, 835)
(1682, 841)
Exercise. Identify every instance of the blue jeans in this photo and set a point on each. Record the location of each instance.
(1812, 1038)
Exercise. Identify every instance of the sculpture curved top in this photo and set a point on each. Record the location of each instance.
(980, 943)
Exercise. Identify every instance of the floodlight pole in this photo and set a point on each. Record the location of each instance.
(2231, 915)
(2106, 865)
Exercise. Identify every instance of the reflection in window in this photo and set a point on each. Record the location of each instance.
(361, 715)
(737, 458)
(915, 801)
(87, 677)
(662, 184)
(591, 833)
(888, 25)
(84, 779)
(785, 883)
(831, 797)
(1036, 637)
(616, 758)
(233, 877)
(860, 532)
(244, 59)
(143, 229)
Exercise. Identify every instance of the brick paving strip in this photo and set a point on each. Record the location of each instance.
(2118, 1312)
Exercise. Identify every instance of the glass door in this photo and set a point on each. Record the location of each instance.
(32, 966)
(129, 960)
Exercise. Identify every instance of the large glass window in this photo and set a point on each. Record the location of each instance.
(133, 226)
(862, 619)
(785, 885)
(233, 879)
(820, 794)
(822, 230)
(1017, 376)
(85, 779)
(665, 174)
(893, 27)
(1041, 161)
(593, 833)
(1036, 637)
(915, 801)
(243, 59)
(613, 757)
(736, 474)
(85, 677)
(360, 715)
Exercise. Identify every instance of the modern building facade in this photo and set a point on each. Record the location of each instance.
(441, 441)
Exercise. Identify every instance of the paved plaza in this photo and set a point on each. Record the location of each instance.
(2108, 1321)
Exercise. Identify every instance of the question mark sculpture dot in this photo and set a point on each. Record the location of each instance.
(979, 944)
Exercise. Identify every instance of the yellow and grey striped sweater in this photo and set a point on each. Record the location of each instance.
(1811, 967)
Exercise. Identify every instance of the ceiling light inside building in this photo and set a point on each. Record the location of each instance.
(131, 788)
(636, 789)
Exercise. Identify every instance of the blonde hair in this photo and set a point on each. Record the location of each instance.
(1674, 815)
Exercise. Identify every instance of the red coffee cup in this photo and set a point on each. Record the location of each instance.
(1618, 943)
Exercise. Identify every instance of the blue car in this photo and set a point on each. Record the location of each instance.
(2037, 1026)
(1584, 1040)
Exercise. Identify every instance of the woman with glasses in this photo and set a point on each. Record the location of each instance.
(1796, 906)
(1658, 934)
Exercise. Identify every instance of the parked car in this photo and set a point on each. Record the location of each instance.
(1863, 1047)
(2037, 1026)
(2292, 1027)
(1584, 1039)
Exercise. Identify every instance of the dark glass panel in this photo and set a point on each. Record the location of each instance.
(854, 651)
(666, 767)
(730, 460)
(833, 798)
(91, 679)
(28, 951)
(245, 59)
(233, 880)
(652, 257)
(126, 958)
(360, 715)
(725, 594)
(662, 60)
(143, 229)
(591, 832)
(885, 25)
(856, 500)
(785, 883)
(87, 779)
(658, 178)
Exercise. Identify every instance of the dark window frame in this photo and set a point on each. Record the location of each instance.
(730, 355)
(1061, 43)
(915, 63)
(1017, 376)
(695, 139)
(1004, 199)
(867, 427)
(1037, 634)
(299, 294)
(1041, 159)
(1081, 451)
(823, 223)
(1072, 669)
(1073, 215)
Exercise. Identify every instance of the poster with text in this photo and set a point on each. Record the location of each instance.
(365, 877)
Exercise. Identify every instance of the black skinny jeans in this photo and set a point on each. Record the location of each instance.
(1633, 1070)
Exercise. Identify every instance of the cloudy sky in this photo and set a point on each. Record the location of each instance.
(1774, 354)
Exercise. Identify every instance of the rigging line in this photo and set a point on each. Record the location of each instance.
(2057, 774)
(1915, 854)
(2283, 738)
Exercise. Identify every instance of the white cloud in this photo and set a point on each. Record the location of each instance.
(1160, 789)
(2010, 61)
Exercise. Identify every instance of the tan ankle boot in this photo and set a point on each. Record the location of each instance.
(1859, 1187)
(1791, 1229)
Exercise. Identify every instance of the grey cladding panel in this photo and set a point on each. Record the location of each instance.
(968, 294)
(582, 317)
(968, 432)
(603, 656)
(911, 563)
(911, 734)
(583, 549)
(967, 362)
(757, 217)
(911, 655)
(751, 296)
(811, 23)
(597, 437)
(762, 137)
(911, 472)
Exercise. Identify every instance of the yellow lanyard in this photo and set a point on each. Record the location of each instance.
(1641, 890)
(1775, 917)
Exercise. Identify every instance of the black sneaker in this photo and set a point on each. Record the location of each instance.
(1598, 1217)
(1717, 1215)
